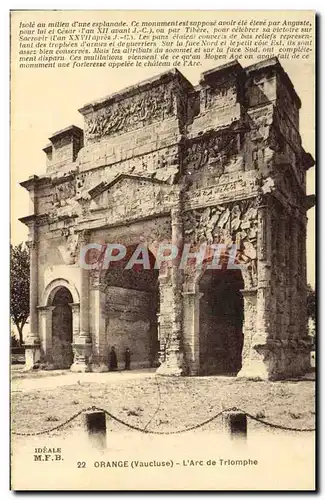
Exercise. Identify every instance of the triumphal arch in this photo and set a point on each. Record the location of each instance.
(220, 164)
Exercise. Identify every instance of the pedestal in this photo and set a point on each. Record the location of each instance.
(171, 306)
(257, 363)
(172, 365)
(191, 331)
(32, 354)
(82, 353)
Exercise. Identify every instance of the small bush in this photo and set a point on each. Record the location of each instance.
(296, 416)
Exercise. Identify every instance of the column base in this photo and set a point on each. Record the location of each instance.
(257, 364)
(296, 359)
(32, 355)
(80, 367)
(169, 371)
(48, 366)
(99, 368)
(172, 365)
(82, 350)
(276, 360)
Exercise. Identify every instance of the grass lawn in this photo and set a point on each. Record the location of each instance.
(165, 403)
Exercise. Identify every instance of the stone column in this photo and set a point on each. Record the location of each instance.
(172, 358)
(280, 269)
(304, 341)
(32, 343)
(249, 326)
(278, 342)
(82, 345)
(257, 356)
(302, 280)
(75, 308)
(191, 330)
(275, 305)
(97, 326)
(293, 266)
(45, 331)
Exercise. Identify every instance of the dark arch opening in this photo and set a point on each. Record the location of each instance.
(132, 306)
(62, 337)
(221, 322)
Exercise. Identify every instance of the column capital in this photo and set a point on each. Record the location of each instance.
(82, 342)
(95, 278)
(248, 291)
(45, 308)
(31, 244)
(84, 236)
(261, 200)
(192, 294)
(75, 306)
(33, 337)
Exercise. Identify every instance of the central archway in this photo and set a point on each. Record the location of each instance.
(132, 304)
(221, 322)
(62, 353)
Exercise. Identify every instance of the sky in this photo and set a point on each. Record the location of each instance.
(45, 101)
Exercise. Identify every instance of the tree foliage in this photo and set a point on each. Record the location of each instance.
(19, 286)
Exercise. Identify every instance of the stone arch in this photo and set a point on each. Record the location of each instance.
(131, 308)
(52, 288)
(221, 320)
(62, 327)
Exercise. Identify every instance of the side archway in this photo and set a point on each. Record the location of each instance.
(215, 312)
(132, 305)
(59, 321)
(52, 288)
(221, 322)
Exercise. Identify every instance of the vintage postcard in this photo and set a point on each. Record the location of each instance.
(162, 258)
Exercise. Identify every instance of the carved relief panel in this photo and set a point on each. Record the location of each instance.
(63, 192)
(129, 197)
(229, 224)
(130, 113)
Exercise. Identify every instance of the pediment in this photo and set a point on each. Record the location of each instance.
(290, 188)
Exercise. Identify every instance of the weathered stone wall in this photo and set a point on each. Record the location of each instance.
(63, 149)
(220, 337)
(130, 322)
(221, 162)
(57, 258)
(130, 110)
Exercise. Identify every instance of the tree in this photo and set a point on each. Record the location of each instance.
(19, 287)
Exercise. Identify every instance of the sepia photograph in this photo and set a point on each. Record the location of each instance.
(162, 263)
